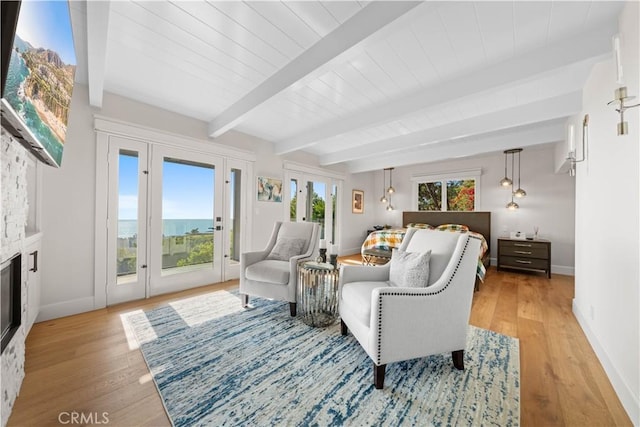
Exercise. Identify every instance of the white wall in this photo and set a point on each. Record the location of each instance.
(355, 226)
(549, 203)
(607, 295)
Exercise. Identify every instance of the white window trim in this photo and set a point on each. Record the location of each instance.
(463, 174)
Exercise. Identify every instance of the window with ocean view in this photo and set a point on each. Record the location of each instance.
(187, 216)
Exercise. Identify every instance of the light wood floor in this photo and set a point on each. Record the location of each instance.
(84, 364)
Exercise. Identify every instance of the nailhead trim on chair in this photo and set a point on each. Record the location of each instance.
(464, 250)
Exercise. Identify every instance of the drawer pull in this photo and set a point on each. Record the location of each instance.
(519, 261)
(521, 245)
(523, 252)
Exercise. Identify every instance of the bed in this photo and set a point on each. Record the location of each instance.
(377, 247)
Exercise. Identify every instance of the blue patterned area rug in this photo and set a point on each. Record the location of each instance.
(216, 364)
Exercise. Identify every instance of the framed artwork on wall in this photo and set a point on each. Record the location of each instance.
(357, 201)
(269, 189)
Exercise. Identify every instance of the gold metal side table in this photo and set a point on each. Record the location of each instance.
(317, 296)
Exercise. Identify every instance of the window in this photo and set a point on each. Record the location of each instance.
(455, 191)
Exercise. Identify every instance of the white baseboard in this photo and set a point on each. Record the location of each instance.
(66, 308)
(556, 269)
(630, 402)
(563, 269)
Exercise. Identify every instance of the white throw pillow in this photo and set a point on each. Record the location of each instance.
(285, 248)
(409, 269)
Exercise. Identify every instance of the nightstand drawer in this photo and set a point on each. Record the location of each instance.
(522, 262)
(525, 251)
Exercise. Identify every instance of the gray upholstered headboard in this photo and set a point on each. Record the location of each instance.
(480, 222)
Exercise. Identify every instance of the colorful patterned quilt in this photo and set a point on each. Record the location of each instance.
(386, 240)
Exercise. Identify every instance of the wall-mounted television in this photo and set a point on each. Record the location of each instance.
(38, 69)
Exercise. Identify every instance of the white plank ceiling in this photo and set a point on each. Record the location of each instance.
(364, 84)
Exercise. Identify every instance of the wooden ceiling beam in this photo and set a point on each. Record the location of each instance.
(370, 19)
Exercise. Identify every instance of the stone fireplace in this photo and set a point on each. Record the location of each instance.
(13, 218)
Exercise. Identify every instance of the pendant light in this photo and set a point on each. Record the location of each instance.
(391, 190)
(512, 206)
(506, 181)
(519, 192)
(383, 199)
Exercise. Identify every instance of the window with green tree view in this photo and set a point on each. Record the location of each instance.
(446, 194)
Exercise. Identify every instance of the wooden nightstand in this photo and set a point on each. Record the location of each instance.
(528, 255)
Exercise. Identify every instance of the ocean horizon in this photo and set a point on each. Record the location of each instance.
(170, 227)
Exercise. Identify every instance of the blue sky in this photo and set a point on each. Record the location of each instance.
(188, 190)
(318, 187)
(47, 24)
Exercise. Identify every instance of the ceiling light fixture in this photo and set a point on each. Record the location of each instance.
(519, 192)
(506, 181)
(390, 190)
(383, 199)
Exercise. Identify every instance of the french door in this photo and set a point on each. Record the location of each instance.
(174, 219)
(186, 226)
(313, 198)
(126, 220)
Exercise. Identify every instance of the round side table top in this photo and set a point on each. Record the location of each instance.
(312, 265)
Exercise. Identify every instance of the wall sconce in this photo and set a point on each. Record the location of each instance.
(621, 97)
(572, 145)
(620, 94)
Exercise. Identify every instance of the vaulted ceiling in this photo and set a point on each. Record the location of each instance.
(364, 84)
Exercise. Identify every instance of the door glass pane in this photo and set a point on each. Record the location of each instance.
(235, 184)
(461, 195)
(430, 196)
(334, 201)
(316, 192)
(294, 201)
(187, 216)
(127, 246)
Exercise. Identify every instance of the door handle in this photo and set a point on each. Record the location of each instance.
(143, 266)
(34, 254)
(218, 227)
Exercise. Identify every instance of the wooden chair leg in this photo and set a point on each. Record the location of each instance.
(378, 375)
(244, 300)
(292, 309)
(343, 328)
(458, 359)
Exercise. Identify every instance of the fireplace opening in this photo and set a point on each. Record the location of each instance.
(10, 299)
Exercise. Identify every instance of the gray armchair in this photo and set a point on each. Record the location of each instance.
(272, 272)
(395, 323)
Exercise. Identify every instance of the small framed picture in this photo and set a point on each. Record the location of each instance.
(357, 201)
(269, 189)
